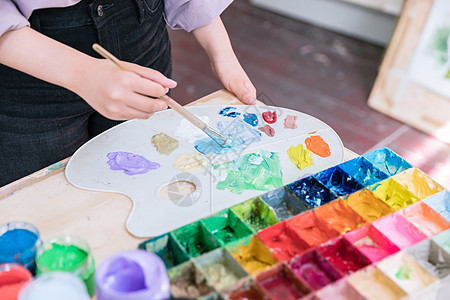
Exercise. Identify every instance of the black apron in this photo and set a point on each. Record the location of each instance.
(42, 123)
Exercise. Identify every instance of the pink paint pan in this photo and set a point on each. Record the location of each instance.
(371, 242)
(401, 232)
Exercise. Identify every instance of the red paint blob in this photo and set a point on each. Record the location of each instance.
(318, 146)
(252, 292)
(12, 278)
(283, 243)
(314, 269)
(311, 229)
(270, 116)
(281, 283)
(343, 256)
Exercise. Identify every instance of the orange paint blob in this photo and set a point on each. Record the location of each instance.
(318, 146)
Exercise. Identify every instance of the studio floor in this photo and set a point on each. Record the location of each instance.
(303, 67)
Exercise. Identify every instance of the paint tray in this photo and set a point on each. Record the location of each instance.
(152, 214)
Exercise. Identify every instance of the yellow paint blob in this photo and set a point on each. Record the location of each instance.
(253, 257)
(300, 156)
(368, 206)
(393, 193)
(189, 163)
(418, 183)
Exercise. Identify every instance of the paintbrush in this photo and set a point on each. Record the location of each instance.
(213, 134)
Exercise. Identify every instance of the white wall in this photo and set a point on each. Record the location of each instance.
(354, 20)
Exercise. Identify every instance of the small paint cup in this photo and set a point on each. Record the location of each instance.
(132, 275)
(55, 286)
(19, 242)
(69, 254)
(12, 278)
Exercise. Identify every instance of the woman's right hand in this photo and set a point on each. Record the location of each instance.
(116, 94)
(122, 95)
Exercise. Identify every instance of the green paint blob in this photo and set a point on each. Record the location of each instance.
(404, 273)
(255, 171)
(63, 257)
(226, 227)
(256, 214)
(167, 249)
(195, 239)
(69, 258)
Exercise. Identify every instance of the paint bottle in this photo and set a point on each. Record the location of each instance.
(12, 278)
(19, 242)
(132, 275)
(55, 286)
(70, 254)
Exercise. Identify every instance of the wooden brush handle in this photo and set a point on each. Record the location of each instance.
(169, 101)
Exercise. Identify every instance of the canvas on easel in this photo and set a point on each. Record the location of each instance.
(413, 84)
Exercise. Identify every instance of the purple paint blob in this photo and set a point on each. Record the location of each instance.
(132, 275)
(130, 164)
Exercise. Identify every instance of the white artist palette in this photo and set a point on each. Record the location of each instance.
(153, 215)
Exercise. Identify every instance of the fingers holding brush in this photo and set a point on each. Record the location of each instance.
(119, 94)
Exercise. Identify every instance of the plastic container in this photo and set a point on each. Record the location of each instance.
(12, 278)
(19, 242)
(70, 254)
(132, 275)
(55, 286)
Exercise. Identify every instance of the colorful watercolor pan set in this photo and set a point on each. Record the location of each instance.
(371, 228)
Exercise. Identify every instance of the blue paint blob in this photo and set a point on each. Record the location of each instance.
(440, 202)
(339, 182)
(363, 171)
(387, 161)
(311, 191)
(233, 114)
(251, 119)
(226, 112)
(240, 134)
(18, 245)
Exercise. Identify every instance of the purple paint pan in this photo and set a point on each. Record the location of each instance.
(314, 269)
(132, 275)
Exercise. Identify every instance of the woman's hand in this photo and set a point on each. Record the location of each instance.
(123, 95)
(214, 39)
(233, 77)
(116, 94)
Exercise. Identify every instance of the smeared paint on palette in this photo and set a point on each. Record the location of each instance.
(269, 149)
(289, 248)
(255, 171)
(129, 163)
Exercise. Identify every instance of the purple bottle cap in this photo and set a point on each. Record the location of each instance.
(132, 275)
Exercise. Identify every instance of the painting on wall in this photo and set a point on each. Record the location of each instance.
(413, 84)
(430, 66)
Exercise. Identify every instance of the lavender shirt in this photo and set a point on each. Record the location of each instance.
(179, 14)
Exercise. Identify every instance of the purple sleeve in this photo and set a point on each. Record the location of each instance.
(10, 17)
(192, 14)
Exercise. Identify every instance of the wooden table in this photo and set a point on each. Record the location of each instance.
(55, 207)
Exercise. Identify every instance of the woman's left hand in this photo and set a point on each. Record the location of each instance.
(214, 39)
(230, 72)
